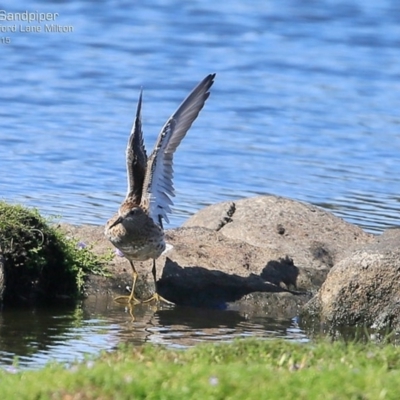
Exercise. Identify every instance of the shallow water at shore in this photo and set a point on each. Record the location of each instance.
(38, 336)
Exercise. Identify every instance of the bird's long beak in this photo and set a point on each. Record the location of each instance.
(116, 222)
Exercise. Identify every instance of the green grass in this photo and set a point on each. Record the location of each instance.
(247, 369)
(40, 261)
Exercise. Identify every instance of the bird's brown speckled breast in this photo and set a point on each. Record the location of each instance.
(140, 246)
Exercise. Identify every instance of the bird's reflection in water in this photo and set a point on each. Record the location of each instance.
(177, 326)
(64, 334)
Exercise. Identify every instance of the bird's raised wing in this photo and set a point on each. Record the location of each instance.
(158, 187)
(136, 158)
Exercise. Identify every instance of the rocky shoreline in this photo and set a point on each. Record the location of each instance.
(274, 255)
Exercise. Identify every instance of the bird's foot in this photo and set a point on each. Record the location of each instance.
(127, 300)
(158, 299)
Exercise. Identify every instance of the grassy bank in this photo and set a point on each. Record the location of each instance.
(247, 369)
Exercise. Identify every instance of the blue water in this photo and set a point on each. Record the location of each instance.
(305, 105)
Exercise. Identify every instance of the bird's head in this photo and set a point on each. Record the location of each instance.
(130, 217)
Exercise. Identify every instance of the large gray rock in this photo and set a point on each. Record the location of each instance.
(208, 269)
(204, 268)
(312, 238)
(265, 254)
(364, 288)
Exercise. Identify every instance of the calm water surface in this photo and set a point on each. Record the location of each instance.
(38, 336)
(305, 105)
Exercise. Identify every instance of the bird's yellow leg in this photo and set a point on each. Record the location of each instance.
(158, 299)
(131, 299)
(156, 296)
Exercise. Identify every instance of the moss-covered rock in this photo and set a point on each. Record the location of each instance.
(39, 261)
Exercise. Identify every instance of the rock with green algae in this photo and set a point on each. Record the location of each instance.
(37, 261)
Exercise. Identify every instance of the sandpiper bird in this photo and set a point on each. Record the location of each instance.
(137, 228)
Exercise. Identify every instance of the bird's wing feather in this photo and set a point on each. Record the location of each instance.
(158, 186)
(136, 158)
